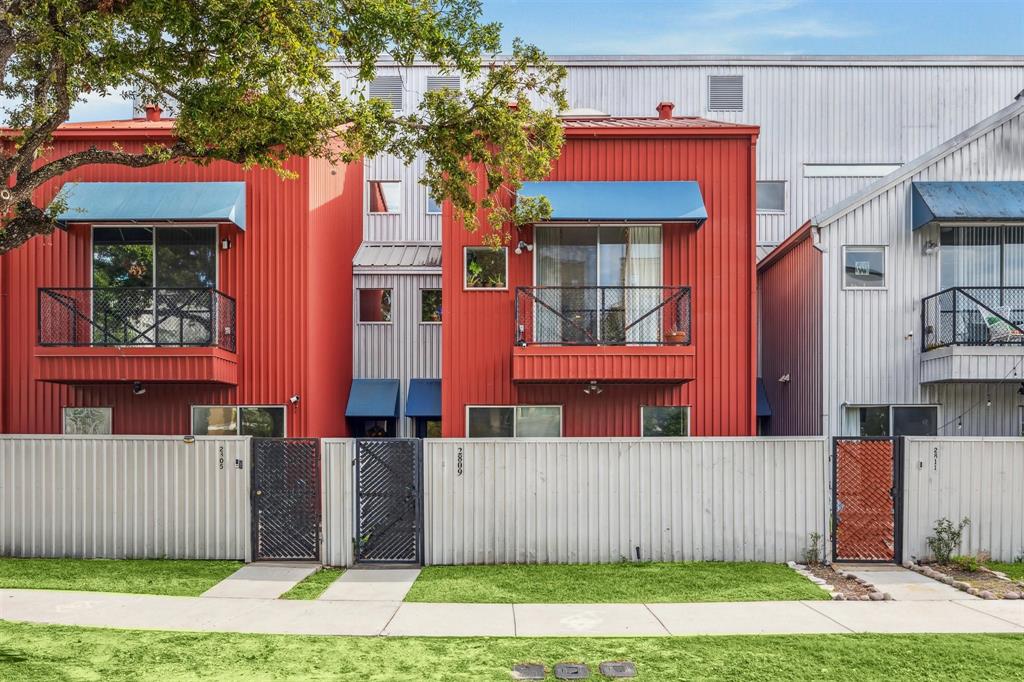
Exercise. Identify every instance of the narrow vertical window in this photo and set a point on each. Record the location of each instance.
(430, 305)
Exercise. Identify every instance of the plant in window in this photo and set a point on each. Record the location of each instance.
(485, 267)
(474, 275)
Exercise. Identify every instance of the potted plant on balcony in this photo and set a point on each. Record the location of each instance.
(676, 336)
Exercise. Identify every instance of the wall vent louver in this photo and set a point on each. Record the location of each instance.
(725, 93)
(388, 88)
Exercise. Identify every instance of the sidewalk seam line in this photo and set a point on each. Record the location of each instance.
(515, 625)
(825, 615)
(385, 628)
(965, 604)
(655, 616)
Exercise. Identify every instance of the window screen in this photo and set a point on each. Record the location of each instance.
(771, 195)
(389, 89)
(725, 93)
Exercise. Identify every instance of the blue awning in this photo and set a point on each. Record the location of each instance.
(763, 408)
(966, 202)
(424, 398)
(373, 398)
(677, 202)
(143, 202)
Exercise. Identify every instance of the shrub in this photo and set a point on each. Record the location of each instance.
(966, 563)
(812, 555)
(946, 539)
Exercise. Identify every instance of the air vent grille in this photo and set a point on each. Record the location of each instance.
(389, 89)
(725, 93)
(443, 83)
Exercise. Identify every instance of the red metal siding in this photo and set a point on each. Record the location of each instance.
(789, 285)
(717, 261)
(269, 270)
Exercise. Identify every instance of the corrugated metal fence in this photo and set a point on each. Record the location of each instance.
(978, 478)
(595, 501)
(338, 483)
(124, 497)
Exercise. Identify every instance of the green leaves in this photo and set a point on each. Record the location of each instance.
(252, 82)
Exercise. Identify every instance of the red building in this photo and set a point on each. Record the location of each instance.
(182, 299)
(632, 312)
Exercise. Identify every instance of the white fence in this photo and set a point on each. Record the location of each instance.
(338, 485)
(978, 478)
(606, 500)
(124, 497)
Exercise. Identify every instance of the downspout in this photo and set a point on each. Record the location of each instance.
(752, 260)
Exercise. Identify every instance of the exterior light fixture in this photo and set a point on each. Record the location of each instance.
(294, 400)
(225, 244)
(930, 247)
(593, 389)
(522, 245)
(138, 388)
(784, 379)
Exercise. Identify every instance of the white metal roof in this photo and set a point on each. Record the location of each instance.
(382, 256)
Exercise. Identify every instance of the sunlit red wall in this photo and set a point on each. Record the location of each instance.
(290, 273)
(717, 261)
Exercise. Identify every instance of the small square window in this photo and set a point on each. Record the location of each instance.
(433, 207)
(864, 267)
(385, 196)
(375, 305)
(262, 422)
(486, 267)
(214, 421)
(771, 196)
(874, 421)
(490, 422)
(538, 421)
(664, 422)
(430, 305)
(82, 421)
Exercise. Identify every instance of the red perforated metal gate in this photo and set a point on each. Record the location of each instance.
(867, 499)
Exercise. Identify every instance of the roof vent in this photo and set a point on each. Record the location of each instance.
(153, 112)
(389, 89)
(665, 109)
(725, 93)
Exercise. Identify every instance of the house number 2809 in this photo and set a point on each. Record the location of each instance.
(459, 462)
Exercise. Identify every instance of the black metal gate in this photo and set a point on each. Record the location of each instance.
(867, 499)
(286, 509)
(389, 501)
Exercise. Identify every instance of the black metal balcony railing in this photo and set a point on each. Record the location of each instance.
(602, 316)
(973, 316)
(136, 316)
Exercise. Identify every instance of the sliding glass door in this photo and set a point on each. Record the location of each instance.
(592, 284)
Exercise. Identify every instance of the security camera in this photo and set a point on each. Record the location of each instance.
(294, 400)
(138, 388)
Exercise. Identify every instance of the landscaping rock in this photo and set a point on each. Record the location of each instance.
(973, 591)
(987, 594)
(838, 596)
(1012, 595)
(947, 579)
(961, 585)
(876, 596)
(888, 597)
(865, 597)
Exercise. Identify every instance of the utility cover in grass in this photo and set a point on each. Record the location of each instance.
(528, 671)
(704, 581)
(618, 669)
(571, 671)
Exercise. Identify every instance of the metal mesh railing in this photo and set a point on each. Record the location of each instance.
(597, 316)
(135, 316)
(973, 316)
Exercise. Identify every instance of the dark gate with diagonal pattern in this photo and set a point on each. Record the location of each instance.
(286, 512)
(389, 501)
(867, 499)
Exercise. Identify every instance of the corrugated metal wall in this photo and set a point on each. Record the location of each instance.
(978, 478)
(872, 338)
(338, 485)
(578, 501)
(789, 312)
(405, 349)
(122, 497)
(834, 111)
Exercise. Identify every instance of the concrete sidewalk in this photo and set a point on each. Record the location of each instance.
(392, 618)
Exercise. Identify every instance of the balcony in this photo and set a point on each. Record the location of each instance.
(603, 333)
(102, 335)
(973, 334)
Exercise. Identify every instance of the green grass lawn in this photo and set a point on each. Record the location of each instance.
(601, 583)
(50, 652)
(137, 576)
(313, 586)
(1014, 570)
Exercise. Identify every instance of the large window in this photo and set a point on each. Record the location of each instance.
(507, 421)
(864, 267)
(982, 256)
(664, 421)
(375, 305)
(163, 257)
(261, 421)
(486, 267)
(898, 420)
(80, 421)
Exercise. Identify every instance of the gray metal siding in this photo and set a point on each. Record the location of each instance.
(837, 111)
(981, 479)
(598, 500)
(338, 485)
(124, 497)
(871, 356)
(405, 349)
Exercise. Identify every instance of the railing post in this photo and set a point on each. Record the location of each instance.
(956, 318)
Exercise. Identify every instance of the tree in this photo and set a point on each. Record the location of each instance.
(251, 84)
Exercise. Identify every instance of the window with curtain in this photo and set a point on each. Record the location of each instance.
(591, 284)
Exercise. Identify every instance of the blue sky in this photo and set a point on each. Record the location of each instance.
(738, 27)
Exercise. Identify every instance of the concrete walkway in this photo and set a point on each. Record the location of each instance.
(372, 584)
(904, 584)
(263, 580)
(370, 618)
